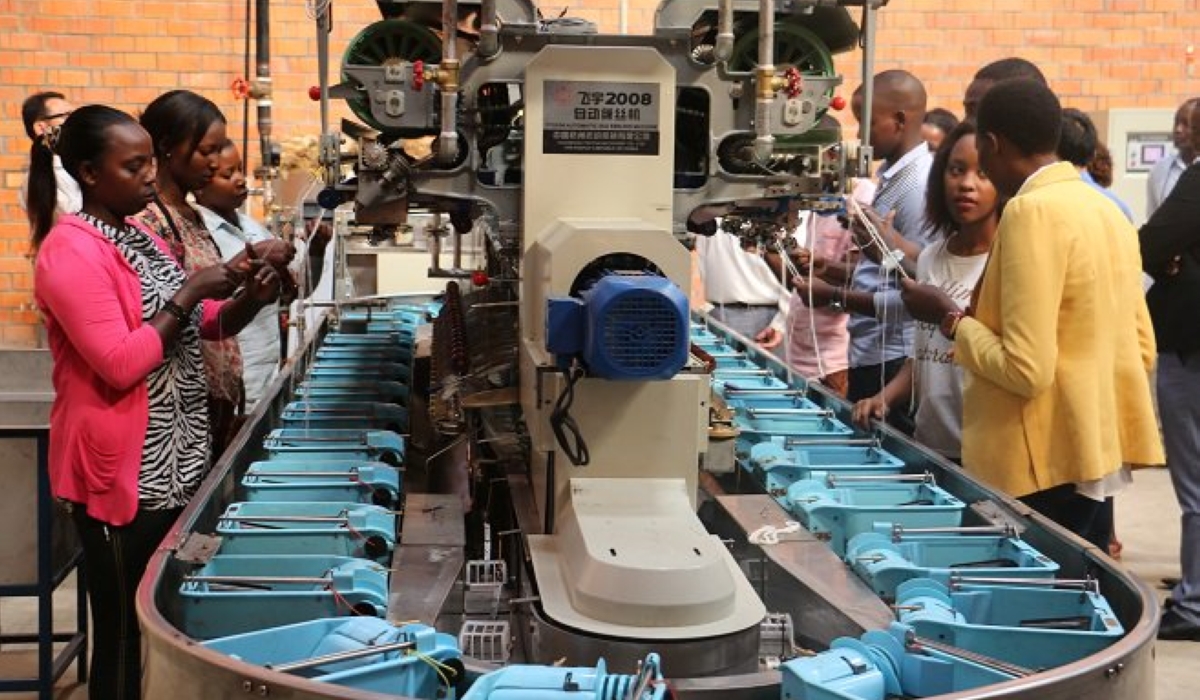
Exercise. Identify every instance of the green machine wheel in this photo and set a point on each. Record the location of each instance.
(384, 41)
(795, 45)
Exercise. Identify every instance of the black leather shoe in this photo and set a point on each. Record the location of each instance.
(1174, 628)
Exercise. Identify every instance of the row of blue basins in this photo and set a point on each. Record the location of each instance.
(300, 581)
(974, 604)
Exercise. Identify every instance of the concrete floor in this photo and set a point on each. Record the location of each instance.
(1147, 522)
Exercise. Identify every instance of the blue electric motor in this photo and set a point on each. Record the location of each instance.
(624, 326)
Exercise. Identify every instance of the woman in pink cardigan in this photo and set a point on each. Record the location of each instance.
(129, 426)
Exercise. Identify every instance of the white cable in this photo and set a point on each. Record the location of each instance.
(769, 534)
(889, 259)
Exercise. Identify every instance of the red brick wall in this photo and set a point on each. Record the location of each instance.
(1096, 53)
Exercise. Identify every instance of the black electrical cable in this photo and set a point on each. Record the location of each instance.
(566, 430)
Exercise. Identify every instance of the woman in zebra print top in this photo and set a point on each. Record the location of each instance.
(129, 426)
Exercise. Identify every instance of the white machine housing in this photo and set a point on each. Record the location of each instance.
(597, 185)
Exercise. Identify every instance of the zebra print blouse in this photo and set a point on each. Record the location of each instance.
(175, 456)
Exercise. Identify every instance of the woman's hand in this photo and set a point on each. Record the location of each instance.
(213, 282)
(262, 284)
(769, 338)
(926, 302)
(874, 408)
(276, 252)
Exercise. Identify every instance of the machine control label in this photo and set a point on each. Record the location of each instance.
(588, 117)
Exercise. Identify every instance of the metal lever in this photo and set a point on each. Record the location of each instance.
(832, 479)
(341, 656)
(917, 643)
(819, 412)
(830, 442)
(735, 391)
(899, 531)
(1083, 584)
(286, 518)
(351, 475)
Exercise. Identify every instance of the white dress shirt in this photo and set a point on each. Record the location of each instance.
(1163, 177)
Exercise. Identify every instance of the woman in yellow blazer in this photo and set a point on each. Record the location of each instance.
(1058, 344)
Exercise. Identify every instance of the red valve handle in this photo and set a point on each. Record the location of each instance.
(479, 278)
(795, 82)
(418, 79)
(241, 88)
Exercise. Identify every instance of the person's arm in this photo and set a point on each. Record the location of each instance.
(894, 392)
(221, 320)
(74, 287)
(1032, 269)
(1175, 225)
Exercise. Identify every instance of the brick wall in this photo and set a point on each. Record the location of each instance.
(1096, 53)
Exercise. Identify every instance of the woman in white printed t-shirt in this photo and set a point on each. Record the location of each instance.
(964, 207)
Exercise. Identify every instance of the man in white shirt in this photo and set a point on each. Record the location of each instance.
(1166, 172)
(42, 113)
(743, 291)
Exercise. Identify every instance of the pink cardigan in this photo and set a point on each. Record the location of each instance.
(91, 301)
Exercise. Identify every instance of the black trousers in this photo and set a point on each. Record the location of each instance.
(865, 382)
(1079, 514)
(114, 560)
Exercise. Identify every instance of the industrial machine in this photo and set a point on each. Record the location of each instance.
(561, 393)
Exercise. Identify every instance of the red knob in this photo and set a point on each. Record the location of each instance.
(479, 278)
(418, 74)
(795, 82)
(241, 88)
(838, 102)
(314, 93)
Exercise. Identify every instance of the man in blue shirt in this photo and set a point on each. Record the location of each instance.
(1077, 145)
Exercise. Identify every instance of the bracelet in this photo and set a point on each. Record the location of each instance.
(949, 324)
(183, 317)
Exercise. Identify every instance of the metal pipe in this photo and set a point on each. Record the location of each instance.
(340, 656)
(262, 93)
(724, 46)
(489, 31)
(764, 142)
(868, 71)
(448, 82)
(330, 148)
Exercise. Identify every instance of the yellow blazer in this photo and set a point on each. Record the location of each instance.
(1060, 346)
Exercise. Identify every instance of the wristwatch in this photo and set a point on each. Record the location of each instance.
(838, 302)
(949, 324)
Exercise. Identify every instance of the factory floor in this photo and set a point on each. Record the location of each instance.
(1147, 522)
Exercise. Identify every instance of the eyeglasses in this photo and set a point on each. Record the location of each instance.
(60, 115)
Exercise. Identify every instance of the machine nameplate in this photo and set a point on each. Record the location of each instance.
(602, 118)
